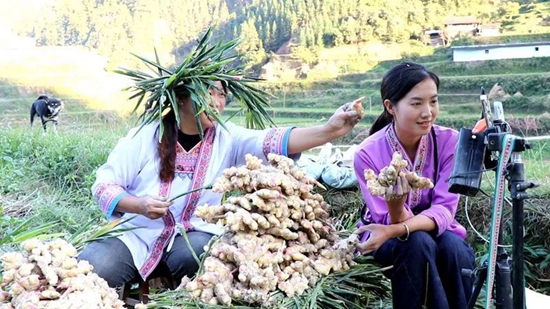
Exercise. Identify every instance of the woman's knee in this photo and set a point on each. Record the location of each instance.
(420, 246)
(111, 260)
(451, 247)
(181, 259)
(199, 240)
(421, 240)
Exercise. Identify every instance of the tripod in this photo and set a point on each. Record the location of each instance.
(509, 287)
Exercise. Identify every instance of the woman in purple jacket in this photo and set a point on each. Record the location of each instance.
(415, 230)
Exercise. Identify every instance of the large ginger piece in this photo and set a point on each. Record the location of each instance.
(278, 236)
(379, 185)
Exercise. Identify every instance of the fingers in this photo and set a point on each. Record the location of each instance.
(389, 193)
(161, 205)
(402, 185)
(366, 247)
(399, 190)
(160, 201)
(405, 185)
(154, 207)
(157, 211)
(160, 198)
(362, 229)
(345, 107)
(399, 186)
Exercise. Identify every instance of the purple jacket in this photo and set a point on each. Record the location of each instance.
(376, 151)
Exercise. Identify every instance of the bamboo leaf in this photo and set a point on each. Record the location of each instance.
(175, 107)
(156, 65)
(158, 61)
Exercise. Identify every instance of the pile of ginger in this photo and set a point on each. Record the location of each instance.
(278, 236)
(386, 180)
(48, 276)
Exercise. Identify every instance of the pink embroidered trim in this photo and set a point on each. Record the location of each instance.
(158, 248)
(273, 142)
(419, 161)
(198, 178)
(169, 222)
(186, 161)
(105, 195)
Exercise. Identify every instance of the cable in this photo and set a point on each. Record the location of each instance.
(474, 229)
(537, 138)
(470, 221)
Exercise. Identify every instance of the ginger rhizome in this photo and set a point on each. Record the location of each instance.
(358, 107)
(278, 236)
(379, 185)
(48, 276)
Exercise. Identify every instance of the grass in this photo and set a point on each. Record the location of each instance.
(49, 177)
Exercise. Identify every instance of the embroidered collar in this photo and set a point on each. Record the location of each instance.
(186, 161)
(419, 161)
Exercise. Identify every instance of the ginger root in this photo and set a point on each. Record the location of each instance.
(358, 107)
(278, 236)
(48, 275)
(379, 185)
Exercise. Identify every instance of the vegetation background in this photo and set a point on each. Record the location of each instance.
(315, 55)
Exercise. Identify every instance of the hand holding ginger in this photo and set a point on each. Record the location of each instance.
(358, 107)
(400, 190)
(394, 180)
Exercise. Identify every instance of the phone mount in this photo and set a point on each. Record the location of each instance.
(475, 153)
(472, 153)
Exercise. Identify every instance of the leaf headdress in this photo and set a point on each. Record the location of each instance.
(193, 77)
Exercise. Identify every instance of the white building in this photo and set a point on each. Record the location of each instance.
(501, 51)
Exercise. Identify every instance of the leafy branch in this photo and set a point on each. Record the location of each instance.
(205, 65)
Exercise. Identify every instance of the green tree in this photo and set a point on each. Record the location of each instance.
(251, 46)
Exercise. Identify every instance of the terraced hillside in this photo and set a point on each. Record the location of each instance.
(310, 102)
(90, 96)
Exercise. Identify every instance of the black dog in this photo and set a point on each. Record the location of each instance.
(48, 110)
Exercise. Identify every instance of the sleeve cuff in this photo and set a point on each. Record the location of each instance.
(113, 204)
(108, 195)
(285, 141)
(276, 141)
(440, 215)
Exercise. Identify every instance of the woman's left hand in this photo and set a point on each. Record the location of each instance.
(379, 234)
(344, 119)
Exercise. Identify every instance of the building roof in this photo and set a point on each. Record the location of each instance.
(489, 26)
(488, 46)
(461, 20)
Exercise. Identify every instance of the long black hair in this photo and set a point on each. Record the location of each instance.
(396, 83)
(167, 147)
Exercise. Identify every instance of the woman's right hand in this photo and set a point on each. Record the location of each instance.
(153, 207)
(398, 193)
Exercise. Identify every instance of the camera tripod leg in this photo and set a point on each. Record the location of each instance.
(503, 281)
(480, 275)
